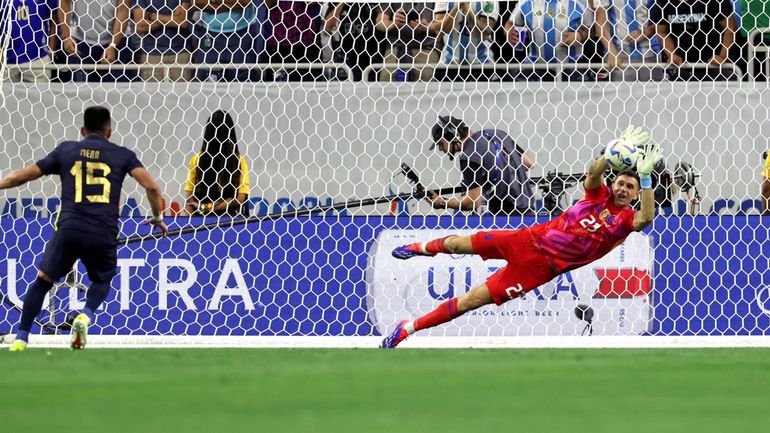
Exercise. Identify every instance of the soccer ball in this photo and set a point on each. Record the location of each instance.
(621, 155)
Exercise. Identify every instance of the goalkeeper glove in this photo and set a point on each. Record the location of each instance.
(646, 163)
(635, 136)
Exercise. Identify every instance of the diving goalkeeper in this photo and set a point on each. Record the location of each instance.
(585, 232)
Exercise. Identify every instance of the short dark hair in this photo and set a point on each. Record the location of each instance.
(630, 173)
(96, 119)
(448, 128)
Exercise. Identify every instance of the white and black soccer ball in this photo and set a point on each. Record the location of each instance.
(621, 155)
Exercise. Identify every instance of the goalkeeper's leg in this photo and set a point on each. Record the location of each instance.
(455, 307)
(489, 244)
(527, 268)
(446, 245)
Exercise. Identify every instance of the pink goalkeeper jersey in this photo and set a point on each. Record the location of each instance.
(585, 232)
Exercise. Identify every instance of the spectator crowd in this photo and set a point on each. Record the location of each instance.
(206, 40)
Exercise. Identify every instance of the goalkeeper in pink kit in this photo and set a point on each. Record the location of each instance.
(583, 233)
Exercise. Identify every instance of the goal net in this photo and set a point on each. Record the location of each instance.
(332, 105)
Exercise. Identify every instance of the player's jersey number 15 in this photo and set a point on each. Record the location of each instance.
(91, 179)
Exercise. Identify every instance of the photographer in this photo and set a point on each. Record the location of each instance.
(494, 168)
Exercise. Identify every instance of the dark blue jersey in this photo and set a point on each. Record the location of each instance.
(92, 172)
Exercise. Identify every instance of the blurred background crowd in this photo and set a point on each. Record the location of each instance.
(278, 40)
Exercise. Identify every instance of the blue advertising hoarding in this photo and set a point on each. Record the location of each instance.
(307, 276)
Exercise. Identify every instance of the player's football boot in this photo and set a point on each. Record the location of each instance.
(408, 251)
(18, 346)
(79, 332)
(398, 335)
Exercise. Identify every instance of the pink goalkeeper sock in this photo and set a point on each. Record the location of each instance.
(436, 246)
(442, 314)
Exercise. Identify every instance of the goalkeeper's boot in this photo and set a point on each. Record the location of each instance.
(398, 335)
(79, 331)
(18, 346)
(408, 251)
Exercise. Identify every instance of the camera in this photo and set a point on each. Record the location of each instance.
(553, 187)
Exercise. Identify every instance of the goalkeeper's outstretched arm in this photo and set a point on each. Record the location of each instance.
(595, 177)
(644, 167)
(646, 214)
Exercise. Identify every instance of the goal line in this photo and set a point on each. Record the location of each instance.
(330, 342)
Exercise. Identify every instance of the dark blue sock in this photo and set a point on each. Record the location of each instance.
(33, 303)
(96, 294)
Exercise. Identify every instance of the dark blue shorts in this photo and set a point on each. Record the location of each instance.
(99, 254)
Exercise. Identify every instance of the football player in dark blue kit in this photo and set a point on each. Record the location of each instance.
(92, 171)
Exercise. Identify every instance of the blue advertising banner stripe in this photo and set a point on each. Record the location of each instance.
(307, 276)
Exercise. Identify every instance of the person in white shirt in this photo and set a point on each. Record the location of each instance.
(627, 35)
(467, 29)
(555, 30)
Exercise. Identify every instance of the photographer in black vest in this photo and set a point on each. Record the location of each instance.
(494, 168)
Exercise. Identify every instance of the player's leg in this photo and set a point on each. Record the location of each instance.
(446, 311)
(489, 244)
(95, 296)
(455, 307)
(527, 268)
(100, 257)
(484, 243)
(33, 303)
(57, 261)
(447, 245)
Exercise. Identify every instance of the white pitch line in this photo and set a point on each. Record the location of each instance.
(594, 342)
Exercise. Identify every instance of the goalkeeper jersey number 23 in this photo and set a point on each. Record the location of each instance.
(585, 232)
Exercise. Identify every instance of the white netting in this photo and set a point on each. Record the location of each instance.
(328, 101)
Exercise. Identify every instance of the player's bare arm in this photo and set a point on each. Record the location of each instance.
(153, 195)
(20, 177)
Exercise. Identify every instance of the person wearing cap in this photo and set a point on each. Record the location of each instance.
(494, 169)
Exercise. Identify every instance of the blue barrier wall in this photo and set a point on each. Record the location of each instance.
(711, 275)
(307, 276)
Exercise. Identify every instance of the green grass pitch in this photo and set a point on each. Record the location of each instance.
(306, 390)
